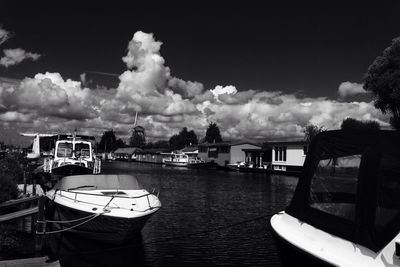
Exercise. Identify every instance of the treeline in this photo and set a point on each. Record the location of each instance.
(184, 138)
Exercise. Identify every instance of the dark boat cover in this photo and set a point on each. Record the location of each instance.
(100, 181)
(359, 204)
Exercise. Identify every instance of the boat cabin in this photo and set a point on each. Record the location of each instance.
(350, 186)
(73, 149)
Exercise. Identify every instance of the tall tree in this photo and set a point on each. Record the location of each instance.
(213, 134)
(310, 131)
(184, 138)
(383, 80)
(350, 124)
(108, 142)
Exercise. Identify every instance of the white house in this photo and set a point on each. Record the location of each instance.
(288, 156)
(225, 153)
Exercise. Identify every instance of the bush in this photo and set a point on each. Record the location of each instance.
(11, 166)
(8, 188)
(8, 237)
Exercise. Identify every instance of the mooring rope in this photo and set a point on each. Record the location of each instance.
(169, 239)
(69, 228)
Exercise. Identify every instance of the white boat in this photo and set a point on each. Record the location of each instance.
(72, 156)
(110, 208)
(346, 207)
(177, 159)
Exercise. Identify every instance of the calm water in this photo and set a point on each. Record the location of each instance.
(208, 218)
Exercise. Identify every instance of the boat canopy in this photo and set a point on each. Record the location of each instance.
(350, 186)
(101, 181)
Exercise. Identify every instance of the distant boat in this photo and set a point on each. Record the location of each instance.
(177, 159)
(73, 155)
(346, 207)
(109, 208)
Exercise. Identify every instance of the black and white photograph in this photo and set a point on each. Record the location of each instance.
(200, 133)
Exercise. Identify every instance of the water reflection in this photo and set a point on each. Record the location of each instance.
(208, 218)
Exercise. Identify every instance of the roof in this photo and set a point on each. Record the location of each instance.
(127, 150)
(228, 144)
(190, 149)
(256, 149)
(152, 151)
(282, 143)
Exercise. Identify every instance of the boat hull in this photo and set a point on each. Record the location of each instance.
(176, 163)
(108, 229)
(291, 255)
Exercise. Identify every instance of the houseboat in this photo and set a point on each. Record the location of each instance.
(346, 207)
(225, 154)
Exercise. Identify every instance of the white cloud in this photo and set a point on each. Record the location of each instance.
(4, 35)
(14, 56)
(166, 104)
(349, 89)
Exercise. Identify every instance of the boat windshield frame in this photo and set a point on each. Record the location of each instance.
(362, 228)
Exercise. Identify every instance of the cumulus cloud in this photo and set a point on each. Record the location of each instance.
(14, 56)
(349, 89)
(166, 103)
(4, 35)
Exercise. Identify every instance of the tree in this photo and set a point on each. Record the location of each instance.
(350, 124)
(383, 80)
(108, 142)
(213, 134)
(184, 138)
(120, 143)
(310, 131)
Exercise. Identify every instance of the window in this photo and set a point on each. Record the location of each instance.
(212, 152)
(223, 149)
(334, 186)
(280, 153)
(82, 150)
(64, 150)
(388, 195)
(203, 149)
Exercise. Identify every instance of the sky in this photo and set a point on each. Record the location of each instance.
(261, 72)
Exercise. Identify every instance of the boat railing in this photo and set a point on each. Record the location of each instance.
(97, 166)
(48, 164)
(111, 198)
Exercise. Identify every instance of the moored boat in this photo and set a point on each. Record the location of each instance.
(109, 208)
(73, 155)
(177, 159)
(346, 207)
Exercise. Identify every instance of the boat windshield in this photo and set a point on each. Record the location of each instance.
(64, 149)
(103, 181)
(334, 186)
(82, 150)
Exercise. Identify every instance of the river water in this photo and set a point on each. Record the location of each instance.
(208, 218)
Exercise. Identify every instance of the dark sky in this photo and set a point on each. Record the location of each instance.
(305, 47)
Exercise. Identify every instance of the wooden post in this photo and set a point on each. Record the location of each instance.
(34, 187)
(40, 228)
(24, 177)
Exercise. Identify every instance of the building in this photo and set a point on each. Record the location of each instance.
(151, 156)
(288, 156)
(126, 153)
(258, 157)
(225, 153)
